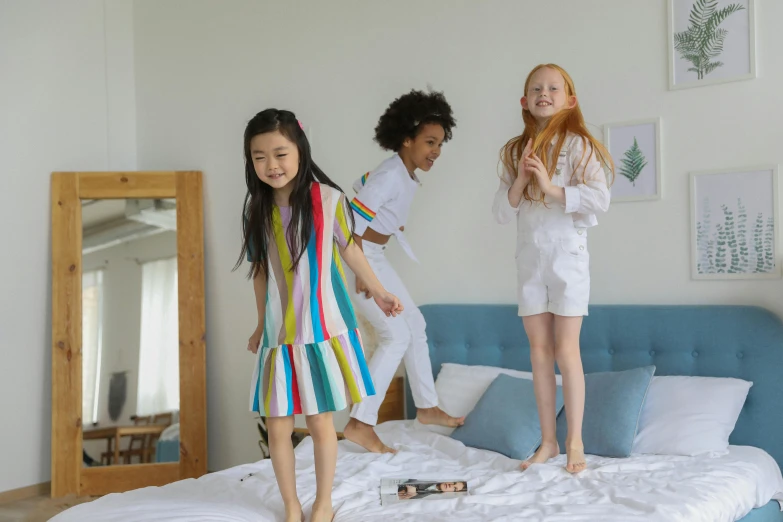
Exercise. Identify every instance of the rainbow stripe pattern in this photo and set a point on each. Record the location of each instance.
(364, 178)
(362, 209)
(311, 356)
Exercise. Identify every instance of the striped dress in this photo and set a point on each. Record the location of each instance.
(311, 357)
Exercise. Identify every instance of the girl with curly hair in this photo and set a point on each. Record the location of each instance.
(415, 126)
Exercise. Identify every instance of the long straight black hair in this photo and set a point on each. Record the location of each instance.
(259, 200)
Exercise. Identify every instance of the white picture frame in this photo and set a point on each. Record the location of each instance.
(635, 147)
(734, 41)
(727, 242)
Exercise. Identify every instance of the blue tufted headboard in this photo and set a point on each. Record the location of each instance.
(719, 341)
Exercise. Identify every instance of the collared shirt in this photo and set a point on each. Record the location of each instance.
(586, 193)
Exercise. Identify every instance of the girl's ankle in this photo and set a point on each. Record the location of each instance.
(322, 502)
(292, 507)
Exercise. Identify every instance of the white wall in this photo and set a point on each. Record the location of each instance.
(200, 77)
(57, 60)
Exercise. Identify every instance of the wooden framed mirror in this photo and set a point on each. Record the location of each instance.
(128, 331)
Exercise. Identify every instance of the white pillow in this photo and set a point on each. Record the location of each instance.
(686, 415)
(460, 387)
(170, 433)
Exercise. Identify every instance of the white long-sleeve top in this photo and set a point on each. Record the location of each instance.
(586, 194)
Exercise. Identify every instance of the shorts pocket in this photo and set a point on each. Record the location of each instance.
(576, 248)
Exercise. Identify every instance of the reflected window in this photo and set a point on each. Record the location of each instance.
(158, 389)
(92, 330)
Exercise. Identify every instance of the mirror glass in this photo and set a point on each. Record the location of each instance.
(130, 332)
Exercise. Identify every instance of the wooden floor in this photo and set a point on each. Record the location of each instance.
(36, 509)
(19, 511)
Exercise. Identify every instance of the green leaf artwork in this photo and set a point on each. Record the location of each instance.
(633, 163)
(702, 42)
(727, 248)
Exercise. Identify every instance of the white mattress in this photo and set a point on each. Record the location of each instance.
(665, 488)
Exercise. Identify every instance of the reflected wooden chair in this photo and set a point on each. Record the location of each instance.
(163, 419)
(138, 445)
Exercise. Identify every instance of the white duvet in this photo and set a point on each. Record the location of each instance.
(660, 488)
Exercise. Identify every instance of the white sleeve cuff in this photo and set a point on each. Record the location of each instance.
(507, 205)
(573, 199)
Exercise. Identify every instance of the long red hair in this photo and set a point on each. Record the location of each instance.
(557, 129)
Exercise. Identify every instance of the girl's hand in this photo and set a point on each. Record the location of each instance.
(361, 287)
(523, 176)
(536, 168)
(255, 339)
(389, 303)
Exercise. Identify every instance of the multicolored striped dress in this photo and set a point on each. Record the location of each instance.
(311, 357)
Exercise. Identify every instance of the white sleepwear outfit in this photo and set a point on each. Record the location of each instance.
(553, 263)
(382, 202)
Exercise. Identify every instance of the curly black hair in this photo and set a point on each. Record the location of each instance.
(405, 116)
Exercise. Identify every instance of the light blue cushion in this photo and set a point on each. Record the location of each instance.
(613, 404)
(167, 451)
(505, 419)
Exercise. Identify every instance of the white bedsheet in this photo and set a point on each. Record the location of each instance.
(649, 488)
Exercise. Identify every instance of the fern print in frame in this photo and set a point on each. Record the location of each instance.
(702, 43)
(734, 222)
(633, 162)
(635, 147)
(711, 42)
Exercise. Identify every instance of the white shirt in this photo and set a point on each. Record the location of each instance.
(383, 200)
(586, 193)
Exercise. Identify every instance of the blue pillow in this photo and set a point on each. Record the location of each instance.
(505, 419)
(613, 404)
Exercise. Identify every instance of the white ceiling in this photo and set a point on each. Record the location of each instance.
(109, 222)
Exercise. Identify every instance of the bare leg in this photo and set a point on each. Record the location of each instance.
(570, 363)
(364, 435)
(281, 450)
(325, 447)
(540, 332)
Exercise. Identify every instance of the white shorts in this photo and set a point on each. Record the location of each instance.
(554, 277)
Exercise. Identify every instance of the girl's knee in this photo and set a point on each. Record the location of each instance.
(539, 349)
(567, 355)
(320, 425)
(280, 427)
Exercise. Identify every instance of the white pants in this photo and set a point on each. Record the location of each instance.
(399, 338)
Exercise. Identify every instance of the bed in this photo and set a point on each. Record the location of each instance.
(721, 341)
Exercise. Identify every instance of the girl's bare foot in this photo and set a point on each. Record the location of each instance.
(575, 456)
(438, 417)
(322, 512)
(546, 451)
(294, 513)
(364, 435)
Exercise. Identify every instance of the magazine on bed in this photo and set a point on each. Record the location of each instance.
(398, 490)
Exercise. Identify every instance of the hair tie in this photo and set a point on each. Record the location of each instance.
(300, 125)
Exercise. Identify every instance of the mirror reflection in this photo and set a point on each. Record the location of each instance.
(130, 332)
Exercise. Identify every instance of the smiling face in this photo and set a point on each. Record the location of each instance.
(422, 151)
(275, 159)
(547, 95)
